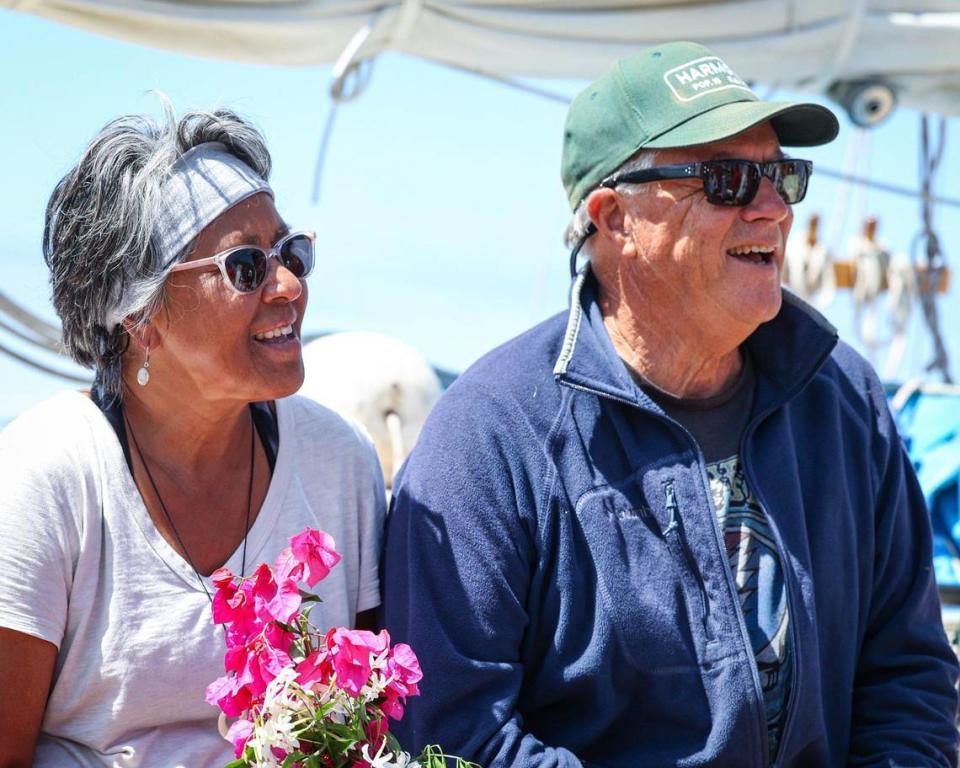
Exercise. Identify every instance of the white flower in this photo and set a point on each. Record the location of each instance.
(386, 759)
(286, 708)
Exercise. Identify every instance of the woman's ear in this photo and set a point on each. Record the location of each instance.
(143, 334)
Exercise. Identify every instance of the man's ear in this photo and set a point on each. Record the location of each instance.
(606, 211)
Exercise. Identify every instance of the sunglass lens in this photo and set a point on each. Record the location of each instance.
(296, 254)
(730, 183)
(246, 269)
(791, 180)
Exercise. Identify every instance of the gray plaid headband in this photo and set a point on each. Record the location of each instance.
(204, 182)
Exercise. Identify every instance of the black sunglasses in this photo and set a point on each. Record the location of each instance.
(245, 266)
(729, 183)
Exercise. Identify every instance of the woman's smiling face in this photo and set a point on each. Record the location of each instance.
(227, 345)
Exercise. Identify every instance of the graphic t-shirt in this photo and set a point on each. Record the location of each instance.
(717, 424)
(755, 562)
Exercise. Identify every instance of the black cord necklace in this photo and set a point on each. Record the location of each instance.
(166, 514)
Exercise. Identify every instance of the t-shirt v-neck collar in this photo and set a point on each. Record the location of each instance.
(257, 535)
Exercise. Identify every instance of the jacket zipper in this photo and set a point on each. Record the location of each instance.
(793, 697)
(679, 542)
(791, 613)
(764, 757)
(738, 610)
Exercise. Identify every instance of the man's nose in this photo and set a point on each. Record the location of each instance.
(767, 204)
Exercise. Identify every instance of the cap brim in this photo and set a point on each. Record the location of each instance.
(796, 124)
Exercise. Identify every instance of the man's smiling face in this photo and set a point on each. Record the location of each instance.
(722, 263)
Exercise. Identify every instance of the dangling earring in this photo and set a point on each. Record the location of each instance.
(143, 375)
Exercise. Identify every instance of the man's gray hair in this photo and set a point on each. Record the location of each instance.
(97, 238)
(577, 227)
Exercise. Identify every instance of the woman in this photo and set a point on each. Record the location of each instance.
(177, 281)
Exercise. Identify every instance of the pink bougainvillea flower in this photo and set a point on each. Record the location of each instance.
(376, 731)
(273, 600)
(404, 667)
(253, 665)
(239, 734)
(235, 659)
(392, 706)
(315, 670)
(402, 673)
(235, 607)
(277, 637)
(225, 591)
(315, 551)
(287, 567)
(230, 695)
(351, 650)
(262, 663)
(223, 578)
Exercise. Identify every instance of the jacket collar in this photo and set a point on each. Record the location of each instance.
(786, 351)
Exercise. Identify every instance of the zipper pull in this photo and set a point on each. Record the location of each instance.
(672, 507)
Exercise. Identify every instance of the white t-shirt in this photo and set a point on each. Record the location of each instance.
(83, 566)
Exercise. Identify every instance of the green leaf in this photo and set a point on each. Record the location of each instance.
(434, 757)
(297, 650)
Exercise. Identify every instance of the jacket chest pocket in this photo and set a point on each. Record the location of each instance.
(648, 579)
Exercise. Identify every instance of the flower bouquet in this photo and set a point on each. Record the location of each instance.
(305, 698)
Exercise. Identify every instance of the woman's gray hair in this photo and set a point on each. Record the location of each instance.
(577, 227)
(97, 238)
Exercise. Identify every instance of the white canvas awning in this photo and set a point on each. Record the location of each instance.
(912, 45)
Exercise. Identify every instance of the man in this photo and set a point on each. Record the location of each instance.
(675, 526)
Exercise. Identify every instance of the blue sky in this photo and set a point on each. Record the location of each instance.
(441, 212)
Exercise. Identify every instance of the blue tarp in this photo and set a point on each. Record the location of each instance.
(929, 421)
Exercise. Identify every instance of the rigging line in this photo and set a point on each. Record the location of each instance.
(820, 170)
(930, 160)
(856, 12)
(885, 187)
(44, 368)
(43, 343)
(348, 64)
(509, 81)
(322, 153)
(25, 317)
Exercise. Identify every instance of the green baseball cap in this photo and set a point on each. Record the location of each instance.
(672, 95)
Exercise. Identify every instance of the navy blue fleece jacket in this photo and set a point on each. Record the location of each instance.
(554, 558)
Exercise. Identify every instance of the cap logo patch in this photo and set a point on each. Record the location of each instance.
(702, 76)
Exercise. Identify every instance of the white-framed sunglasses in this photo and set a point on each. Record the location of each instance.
(244, 267)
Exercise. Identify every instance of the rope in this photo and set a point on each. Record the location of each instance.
(895, 189)
(935, 267)
(29, 337)
(46, 332)
(322, 153)
(808, 270)
(872, 261)
(901, 293)
(543, 93)
(351, 75)
(851, 31)
(44, 368)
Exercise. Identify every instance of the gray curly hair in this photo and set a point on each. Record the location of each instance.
(97, 237)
